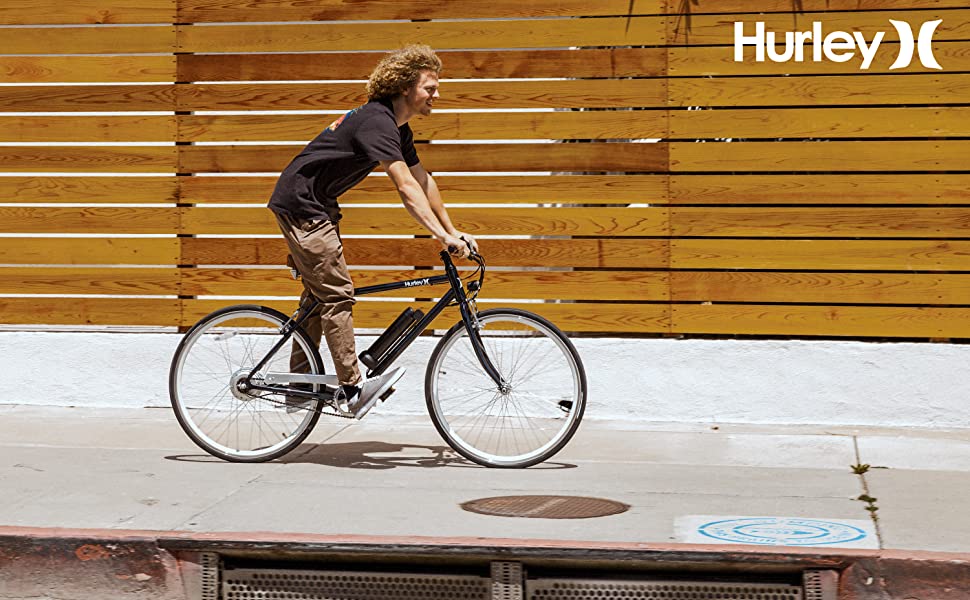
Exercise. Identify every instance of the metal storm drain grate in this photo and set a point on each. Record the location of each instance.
(580, 589)
(546, 507)
(264, 584)
(508, 581)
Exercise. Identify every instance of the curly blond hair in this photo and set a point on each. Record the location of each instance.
(400, 70)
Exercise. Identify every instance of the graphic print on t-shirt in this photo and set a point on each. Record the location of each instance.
(333, 126)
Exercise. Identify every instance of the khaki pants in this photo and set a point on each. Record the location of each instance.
(318, 255)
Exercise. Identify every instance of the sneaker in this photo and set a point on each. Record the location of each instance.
(361, 399)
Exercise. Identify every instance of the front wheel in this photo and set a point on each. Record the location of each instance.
(212, 406)
(520, 424)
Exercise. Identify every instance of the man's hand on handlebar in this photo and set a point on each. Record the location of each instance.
(460, 245)
(455, 246)
(469, 240)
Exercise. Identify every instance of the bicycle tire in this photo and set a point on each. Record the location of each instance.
(219, 348)
(538, 344)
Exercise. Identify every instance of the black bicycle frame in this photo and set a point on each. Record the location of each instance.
(457, 292)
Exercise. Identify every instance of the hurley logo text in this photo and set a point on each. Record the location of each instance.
(837, 46)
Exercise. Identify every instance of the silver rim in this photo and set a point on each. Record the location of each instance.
(224, 419)
(524, 423)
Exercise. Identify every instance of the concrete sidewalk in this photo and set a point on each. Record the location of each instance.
(134, 469)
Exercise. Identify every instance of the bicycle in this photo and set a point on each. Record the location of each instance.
(504, 387)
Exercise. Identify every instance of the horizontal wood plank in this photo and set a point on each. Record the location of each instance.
(875, 255)
(110, 281)
(446, 157)
(83, 69)
(719, 60)
(90, 311)
(86, 159)
(934, 89)
(708, 124)
(55, 12)
(614, 252)
(825, 123)
(458, 64)
(870, 254)
(822, 222)
(457, 94)
(209, 11)
(456, 189)
(622, 222)
(777, 188)
(526, 33)
(78, 190)
(89, 251)
(548, 285)
(15, 219)
(87, 98)
(634, 318)
(844, 188)
(446, 126)
(203, 11)
(707, 30)
(678, 7)
(684, 157)
(88, 129)
(258, 189)
(823, 288)
(155, 39)
(724, 319)
(845, 321)
(905, 155)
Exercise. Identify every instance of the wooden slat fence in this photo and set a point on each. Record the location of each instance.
(626, 174)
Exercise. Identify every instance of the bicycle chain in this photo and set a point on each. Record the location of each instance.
(318, 411)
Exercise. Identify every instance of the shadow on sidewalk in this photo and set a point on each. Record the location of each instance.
(384, 455)
(372, 455)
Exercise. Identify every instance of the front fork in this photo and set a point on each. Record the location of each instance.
(469, 316)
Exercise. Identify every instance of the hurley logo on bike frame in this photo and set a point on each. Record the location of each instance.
(837, 46)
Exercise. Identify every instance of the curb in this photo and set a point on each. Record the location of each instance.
(84, 563)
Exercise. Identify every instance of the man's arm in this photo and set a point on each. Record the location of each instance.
(417, 203)
(427, 183)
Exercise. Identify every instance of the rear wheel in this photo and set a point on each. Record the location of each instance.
(208, 396)
(522, 423)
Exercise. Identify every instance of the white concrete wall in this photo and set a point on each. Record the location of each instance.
(724, 381)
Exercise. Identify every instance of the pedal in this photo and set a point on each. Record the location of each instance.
(566, 405)
(387, 394)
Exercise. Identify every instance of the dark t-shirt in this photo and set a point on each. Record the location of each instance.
(338, 159)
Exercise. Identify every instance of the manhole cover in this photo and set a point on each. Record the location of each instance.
(546, 507)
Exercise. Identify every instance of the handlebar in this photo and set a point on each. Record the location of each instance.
(480, 271)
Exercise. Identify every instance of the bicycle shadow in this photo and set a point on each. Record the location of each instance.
(372, 455)
(385, 455)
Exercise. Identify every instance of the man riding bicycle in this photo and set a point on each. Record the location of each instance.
(402, 86)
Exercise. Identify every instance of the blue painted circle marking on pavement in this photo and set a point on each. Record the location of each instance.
(781, 531)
